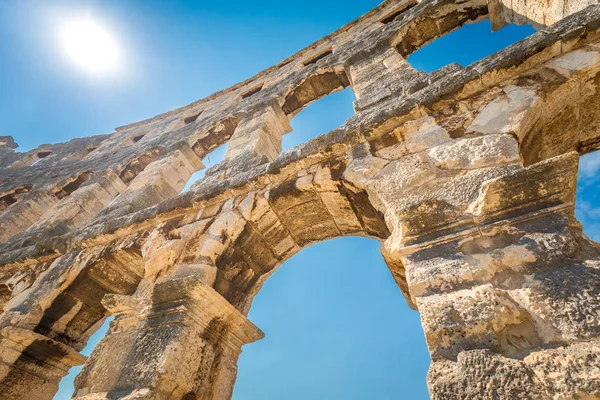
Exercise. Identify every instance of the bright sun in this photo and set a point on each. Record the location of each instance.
(90, 46)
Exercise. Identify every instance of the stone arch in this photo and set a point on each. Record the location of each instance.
(33, 204)
(291, 216)
(77, 312)
(315, 86)
(70, 185)
(212, 142)
(258, 136)
(211, 162)
(47, 324)
(434, 24)
(205, 141)
(160, 178)
(134, 166)
(571, 95)
(224, 257)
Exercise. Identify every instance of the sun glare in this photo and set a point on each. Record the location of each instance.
(90, 46)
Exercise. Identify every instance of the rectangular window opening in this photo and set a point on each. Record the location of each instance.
(191, 118)
(43, 154)
(392, 17)
(13, 196)
(72, 185)
(318, 57)
(252, 92)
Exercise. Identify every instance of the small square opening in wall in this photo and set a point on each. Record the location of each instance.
(43, 154)
(13, 196)
(392, 17)
(191, 118)
(252, 92)
(318, 57)
(209, 160)
(72, 185)
(137, 138)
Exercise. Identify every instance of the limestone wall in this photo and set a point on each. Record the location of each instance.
(467, 175)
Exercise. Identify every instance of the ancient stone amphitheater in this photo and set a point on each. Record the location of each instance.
(467, 175)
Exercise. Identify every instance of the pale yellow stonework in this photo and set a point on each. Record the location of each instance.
(467, 176)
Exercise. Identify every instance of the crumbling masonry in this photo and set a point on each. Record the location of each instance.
(467, 175)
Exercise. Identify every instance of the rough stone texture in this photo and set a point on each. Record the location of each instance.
(467, 175)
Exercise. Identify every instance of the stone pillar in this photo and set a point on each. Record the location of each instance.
(183, 342)
(259, 137)
(44, 327)
(160, 180)
(32, 365)
(375, 77)
(83, 204)
(21, 215)
(509, 291)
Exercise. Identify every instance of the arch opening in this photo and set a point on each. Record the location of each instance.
(449, 49)
(210, 160)
(136, 165)
(336, 327)
(77, 317)
(587, 208)
(293, 215)
(313, 88)
(320, 116)
(67, 384)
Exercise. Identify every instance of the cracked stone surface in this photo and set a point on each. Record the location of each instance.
(467, 176)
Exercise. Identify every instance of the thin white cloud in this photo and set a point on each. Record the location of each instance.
(588, 211)
(589, 166)
(592, 231)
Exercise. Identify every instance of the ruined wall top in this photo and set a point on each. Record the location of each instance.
(368, 54)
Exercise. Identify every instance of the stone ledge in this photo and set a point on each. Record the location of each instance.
(355, 131)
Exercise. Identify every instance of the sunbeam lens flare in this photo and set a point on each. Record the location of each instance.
(90, 46)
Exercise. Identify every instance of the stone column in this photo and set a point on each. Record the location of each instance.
(508, 292)
(160, 180)
(259, 137)
(32, 365)
(375, 77)
(44, 327)
(183, 342)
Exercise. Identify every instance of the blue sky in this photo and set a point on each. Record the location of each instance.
(336, 325)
